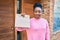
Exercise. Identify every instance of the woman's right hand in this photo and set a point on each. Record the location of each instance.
(23, 14)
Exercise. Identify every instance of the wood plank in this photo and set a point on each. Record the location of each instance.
(7, 36)
(7, 20)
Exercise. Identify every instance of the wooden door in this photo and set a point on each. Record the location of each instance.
(7, 20)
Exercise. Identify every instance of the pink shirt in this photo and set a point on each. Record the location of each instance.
(39, 30)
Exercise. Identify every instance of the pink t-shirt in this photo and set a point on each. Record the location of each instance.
(39, 29)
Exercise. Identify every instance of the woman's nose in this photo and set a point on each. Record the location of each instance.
(37, 13)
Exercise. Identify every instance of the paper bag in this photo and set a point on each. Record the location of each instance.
(21, 21)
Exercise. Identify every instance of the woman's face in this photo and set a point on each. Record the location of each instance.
(37, 12)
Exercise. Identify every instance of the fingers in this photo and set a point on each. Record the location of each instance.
(23, 14)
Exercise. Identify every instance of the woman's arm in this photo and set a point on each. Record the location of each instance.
(47, 32)
(20, 29)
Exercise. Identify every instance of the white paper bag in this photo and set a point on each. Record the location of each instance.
(21, 21)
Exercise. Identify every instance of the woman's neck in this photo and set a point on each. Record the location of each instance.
(37, 18)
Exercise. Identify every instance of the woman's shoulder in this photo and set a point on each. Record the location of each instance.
(44, 20)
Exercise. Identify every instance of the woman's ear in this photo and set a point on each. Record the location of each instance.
(42, 10)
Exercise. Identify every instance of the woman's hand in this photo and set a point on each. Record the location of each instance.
(23, 14)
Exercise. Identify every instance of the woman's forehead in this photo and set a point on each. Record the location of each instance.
(38, 8)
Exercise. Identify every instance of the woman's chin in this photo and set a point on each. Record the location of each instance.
(37, 17)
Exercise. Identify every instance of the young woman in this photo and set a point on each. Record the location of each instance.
(39, 28)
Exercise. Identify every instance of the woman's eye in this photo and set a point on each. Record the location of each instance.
(37, 12)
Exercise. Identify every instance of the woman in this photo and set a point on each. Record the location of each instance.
(39, 29)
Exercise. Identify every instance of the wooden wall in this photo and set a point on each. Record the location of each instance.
(6, 19)
(7, 14)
